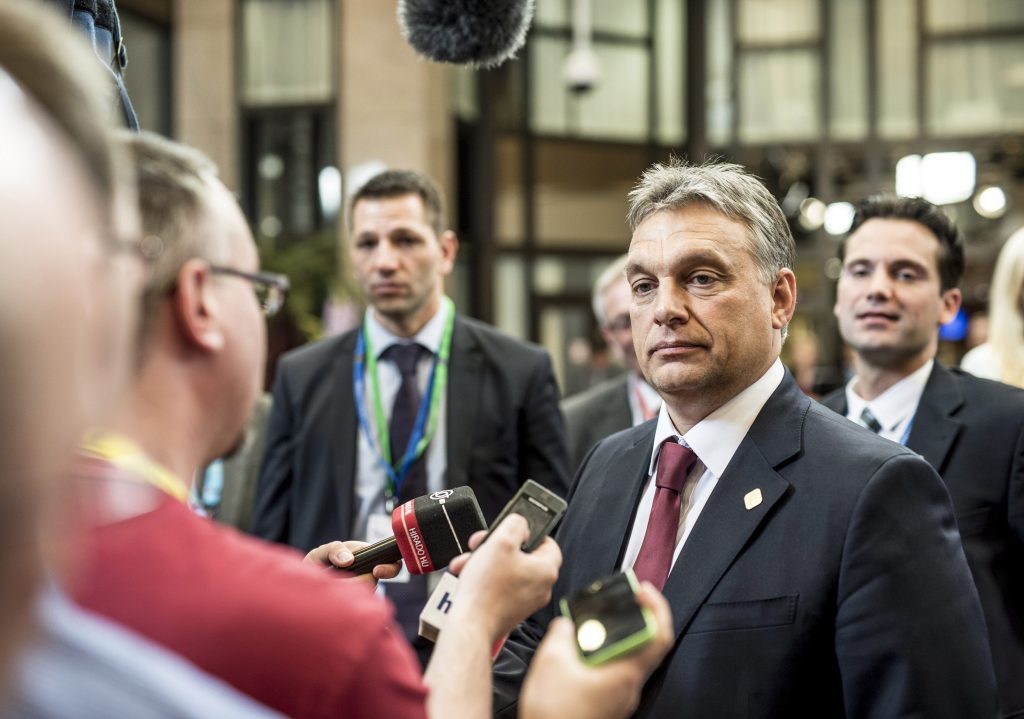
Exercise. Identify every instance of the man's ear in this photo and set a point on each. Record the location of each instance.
(951, 300)
(196, 312)
(783, 298)
(449, 248)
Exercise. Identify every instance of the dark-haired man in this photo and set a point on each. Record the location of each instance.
(902, 264)
(417, 399)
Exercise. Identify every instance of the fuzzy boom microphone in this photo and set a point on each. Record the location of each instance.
(478, 33)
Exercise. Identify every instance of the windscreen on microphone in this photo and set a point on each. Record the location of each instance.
(479, 33)
(429, 532)
(432, 530)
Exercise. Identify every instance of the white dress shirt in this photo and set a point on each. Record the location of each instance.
(714, 440)
(641, 396)
(895, 408)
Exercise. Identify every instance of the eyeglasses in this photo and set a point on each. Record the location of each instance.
(619, 324)
(270, 287)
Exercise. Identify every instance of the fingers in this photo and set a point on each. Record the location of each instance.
(335, 553)
(387, 571)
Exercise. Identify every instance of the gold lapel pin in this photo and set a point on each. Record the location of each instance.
(752, 498)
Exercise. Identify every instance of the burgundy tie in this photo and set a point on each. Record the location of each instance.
(655, 558)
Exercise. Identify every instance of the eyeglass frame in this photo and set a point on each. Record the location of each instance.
(277, 286)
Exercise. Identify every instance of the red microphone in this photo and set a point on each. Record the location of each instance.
(429, 532)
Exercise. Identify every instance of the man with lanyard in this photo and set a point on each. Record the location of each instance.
(902, 262)
(624, 401)
(416, 400)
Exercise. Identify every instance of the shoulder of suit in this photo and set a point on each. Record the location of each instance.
(988, 394)
(834, 399)
(597, 396)
(489, 336)
(827, 431)
(323, 351)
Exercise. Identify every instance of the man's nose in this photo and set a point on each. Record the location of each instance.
(879, 284)
(385, 259)
(671, 304)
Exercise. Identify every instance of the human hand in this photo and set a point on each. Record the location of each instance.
(500, 584)
(339, 554)
(560, 686)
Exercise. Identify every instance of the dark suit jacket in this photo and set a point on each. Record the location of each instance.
(503, 426)
(971, 431)
(844, 593)
(595, 414)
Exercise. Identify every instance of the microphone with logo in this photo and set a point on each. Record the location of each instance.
(429, 532)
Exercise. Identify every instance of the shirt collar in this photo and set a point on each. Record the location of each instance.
(429, 336)
(716, 438)
(896, 403)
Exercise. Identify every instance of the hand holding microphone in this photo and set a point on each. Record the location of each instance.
(340, 555)
(428, 531)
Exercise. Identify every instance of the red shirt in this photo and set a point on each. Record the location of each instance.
(290, 635)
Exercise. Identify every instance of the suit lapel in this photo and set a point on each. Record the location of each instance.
(461, 402)
(725, 524)
(612, 503)
(344, 449)
(935, 429)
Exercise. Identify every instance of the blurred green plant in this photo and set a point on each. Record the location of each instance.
(314, 268)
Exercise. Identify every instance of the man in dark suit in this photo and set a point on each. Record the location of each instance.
(813, 569)
(622, 401)
(902, 262)
(359, 424)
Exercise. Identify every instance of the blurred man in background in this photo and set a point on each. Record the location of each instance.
(416, 400)
(618, 403)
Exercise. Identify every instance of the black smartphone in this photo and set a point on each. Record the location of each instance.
(609, 621)
(541, 507)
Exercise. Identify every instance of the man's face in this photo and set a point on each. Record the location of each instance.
(888, 302)
(245, 332)
(705, 324)
(399, 260)
(617, 330)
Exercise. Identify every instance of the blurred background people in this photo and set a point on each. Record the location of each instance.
(902, 265)
(619, 403)
(1001, 356)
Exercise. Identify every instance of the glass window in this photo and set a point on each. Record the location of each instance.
(510, 306)
(720, 60)
(779, 96)
(848, 84)
(897, 87)
(148, 75)
(670, 30)
(581, 193)
(508, 192)
(777, 20)
(287, 51)
(976, 87)
(621, 18)
(616, 108)
(945, 15)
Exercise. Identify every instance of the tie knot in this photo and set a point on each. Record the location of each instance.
(405, 356)
(870, 421)
(674, 463)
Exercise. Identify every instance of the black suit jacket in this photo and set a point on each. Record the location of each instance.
(595, 414)
(971, 431)
(503, 426)
(844, 593)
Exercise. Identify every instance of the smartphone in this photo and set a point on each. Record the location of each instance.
(609, 621)
(541, 507)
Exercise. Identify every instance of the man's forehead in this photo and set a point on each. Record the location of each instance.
(892, 239)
